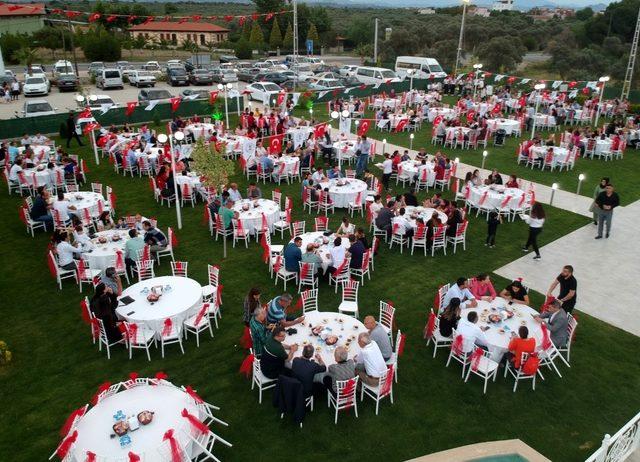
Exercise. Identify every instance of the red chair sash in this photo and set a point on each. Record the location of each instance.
(456, 346)
(191, 392)
(168, 325)
(431, 322)
(475, 358)
(195, 423)
(66, 444)
(247, 365)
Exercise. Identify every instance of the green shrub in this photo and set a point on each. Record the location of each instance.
(100, 45)
(243, 49)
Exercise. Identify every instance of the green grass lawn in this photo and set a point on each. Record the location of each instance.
(621, 172)
(56, 368)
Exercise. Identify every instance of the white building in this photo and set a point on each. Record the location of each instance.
(427, 11)
(502, 5)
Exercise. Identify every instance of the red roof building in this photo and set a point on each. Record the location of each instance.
(178, 33)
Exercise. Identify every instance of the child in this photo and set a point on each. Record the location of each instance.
(492, 227)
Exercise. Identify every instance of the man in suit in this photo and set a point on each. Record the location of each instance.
(304, 369)
(557, 322)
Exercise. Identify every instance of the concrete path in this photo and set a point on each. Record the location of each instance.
(607, 270)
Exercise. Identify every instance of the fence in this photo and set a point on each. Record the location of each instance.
(619, 447)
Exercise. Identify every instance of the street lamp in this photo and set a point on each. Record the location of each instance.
(554, 186)
(581, 178)
(459, 53)
(311, 112)
(603, 81)
(477, 68)
(162, 138)
(384, 146)
(411, 73)
(484, 157)
(226, 89)
(411, 137)
(539, 87)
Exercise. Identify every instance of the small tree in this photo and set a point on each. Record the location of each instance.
(210, 163)
(275, 39)
(257, 38)
(313, 33)
(243, 49)
(288, 37)
(25, 55)
(246, 31)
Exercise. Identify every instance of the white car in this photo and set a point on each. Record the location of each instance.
(325, 84)
(35, 86)
(37, 107)
(142, 79)
(314, 63)
(274, 62)
(347, 70)
(327, 75)
(264, 91)
(303, 71)
(98, 102)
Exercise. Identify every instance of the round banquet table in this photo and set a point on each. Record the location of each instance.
(103, 255)
(544, 119)
(347, 192)
(191, 178)
(425, 213)
(409, 169)
(165, 401)
(41, 152)
(197, 129)
(234, 143)
(445, 112)
(182, 301)
(344, 326)
(496, 194)
(388, 102)
(602, 145)
(252, 218)
(499, 334)
(559, 154)
(316, 237)
(299, 135)
(43, 176)
(345, 149)
(86, 200)
(508, 125)
(288, 161)
(456, 130)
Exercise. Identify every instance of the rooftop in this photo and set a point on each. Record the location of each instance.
(32, 9)
(179, 27)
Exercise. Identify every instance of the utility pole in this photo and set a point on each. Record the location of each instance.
(375, 43)
(295, 41)
(73, 47)
(459, 53)
(1, 63)
(626, 86)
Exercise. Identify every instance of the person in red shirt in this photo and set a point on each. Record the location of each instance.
(520, 344)
(482, 288)
(513, 182)
(161, 178)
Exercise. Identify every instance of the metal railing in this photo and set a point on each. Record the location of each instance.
(619, 447)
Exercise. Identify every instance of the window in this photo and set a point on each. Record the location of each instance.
(202, 39)
(365, 72)
(174, 38)
(402, 65)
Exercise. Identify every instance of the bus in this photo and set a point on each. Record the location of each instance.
(424, 68)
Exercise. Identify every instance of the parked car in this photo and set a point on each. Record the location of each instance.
(122, 64)
(145, 96)
(177, 76)
(100, 101)
(37, 71)
(350, 81)
(327, 68)
(242, 65)
(127, 70)
(37, 107)
(375, 75)
(142, 79)
(95, 68)
(201, 77)
(153, 67)
(67, 82)
(62, 66)
(263, 91)
(291, 85)
(224, 75)
(303, 71)
(35, 86)
(247, 75)
(273, 61)
(347, 70)
(109, 78)
(327, 75)
(325, 84)
(228, 59)
(202, 94)
(263, 66)
(275, 77)
(312, 62)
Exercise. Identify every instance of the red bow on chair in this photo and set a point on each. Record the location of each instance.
(91, 457)
(168, 325)
(196, 423)
(456, 346)
(403, 339)
(133, 457)
(431, 324)
(347, 393)
(546, 341)
(66, 444)
(475, 358)
(176, 456)
(64, 431)
(191, 392)
(304, 272)
(102, 388)
(247, 365)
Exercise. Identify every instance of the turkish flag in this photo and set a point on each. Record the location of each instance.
(511, 80)
(130, 108)
(275, 147)
(470, 116)
(228, 18)
(281, 96)
(401, 125)
(131, 18)
(497, 108)
(573, 84)
(268, 17)
(585, 91)
(167, 152)
(94, 17)
(85, 114)
(175, 103)
(364, 128)
(91, 126)
(319, 130)
(213, 95)
(437, 121)
(112, 18)
(242, 20)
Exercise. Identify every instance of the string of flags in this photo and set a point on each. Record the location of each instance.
(572, 87)
(131, 18)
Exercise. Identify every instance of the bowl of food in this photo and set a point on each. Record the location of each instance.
(116, 237)
(121, 428)
(331, 340)
(78, 197)
(509, 314)
(495, 318)
(153, 297)
(102, 240)
(245, 207)
(145, 417)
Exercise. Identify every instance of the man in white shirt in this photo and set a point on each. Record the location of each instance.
(472, 334)
(400, 224)
(370, 364)
(14, 171)
(459, 290)
(25, 140)
(66, 253)
(234, 194)
(82, 239)
(337, 253)
(63, 207)
(387, 169)
(39, 139)
(318, 176)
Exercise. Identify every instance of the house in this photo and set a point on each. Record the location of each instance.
(179, 33)
(25, 18)
(479, 11)
(502, 5)
(545, 14)
(427, 11)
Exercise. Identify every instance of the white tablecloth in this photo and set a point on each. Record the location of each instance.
(41, 153)
(386, 103)
(496, 194)
(345, 149)
(392, 122)
(447, 113)
(508, 125)
(602, 145)
(104, 255)
(191, 178)
(182, 301)
(252, 218)
(86, 200)
(323, 249)
(288, 161)
(349, 328)
(499, 341)
(546, 120)
(165, 401)
(234, 143)
(44, 177)
(456, 130)
(342, 195)
(425, 213)
(409, 169)
(197, 129)
(559, 154)
(299, 135)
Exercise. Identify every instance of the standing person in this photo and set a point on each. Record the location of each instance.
(568, 288)
(492, 228)
(535, 222)
(363, 149)
(251, 303)
(15, 90)
(71, 130)
(387, 170)
(600, 188)
(605, 203)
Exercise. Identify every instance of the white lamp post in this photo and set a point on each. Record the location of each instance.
(484, 157)
(226, 89)
(477, 68)
(384, 146)
(411, 137)
(411, 73)
(311, 112)
(554, 186)
(603, 81)
(581, 178)
(459, 53)
(162, 138)
(539, 87)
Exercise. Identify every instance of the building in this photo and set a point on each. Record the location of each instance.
(502, 5)
(27, 18)
(177, 34)
(545, 14)
(478, 11)
(427, 11)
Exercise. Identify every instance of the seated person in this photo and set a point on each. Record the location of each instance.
(461, 291)
(311, 257)
(64, 207)
(515, 293)
(304, 368)
(343, 369)
(472, 334)
(293, 255)
(276, 312)
(482, 288)
(259, 330)
(449, 318)
(66, 252)
(370, 365)
(338, 253)
(334, 173)
(111, 279)
(346, 228)
(254, 192)
(557, 322)
(401, 225)
(520, 344)
(103, 310)
(410, 199)
(234, 194)
(379, 335)
(154, 237)
(513, 182)
(274, 354)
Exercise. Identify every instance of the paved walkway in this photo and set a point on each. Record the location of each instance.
(607, 270)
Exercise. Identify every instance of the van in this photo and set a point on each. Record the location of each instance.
(424, 68)
(62, 67)
(375, 75)
(109, 78)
